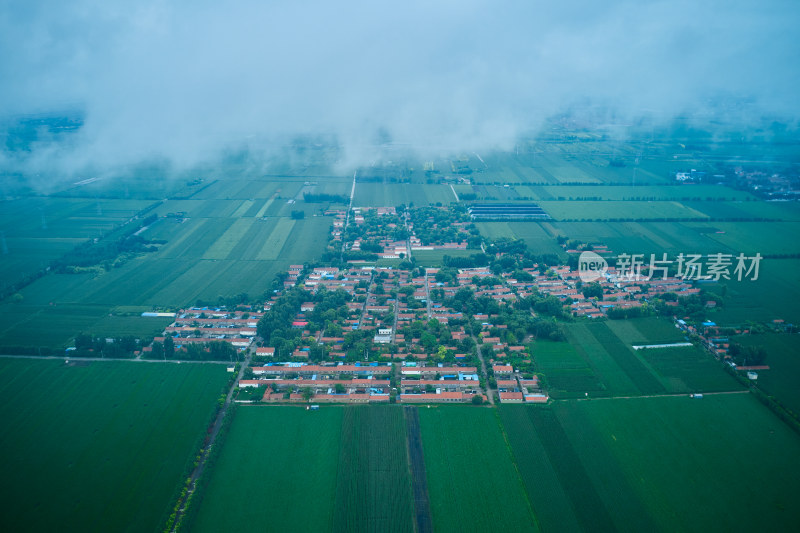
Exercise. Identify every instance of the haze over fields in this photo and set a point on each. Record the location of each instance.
(184, 82)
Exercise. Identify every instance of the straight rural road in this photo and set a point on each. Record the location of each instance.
(746, 391)
(132, 360)
(201, 464)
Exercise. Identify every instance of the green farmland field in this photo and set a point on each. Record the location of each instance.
(648, 330)
(36, 231)
(434, 258)
(473, 483)
(689, 369)
(773, 296)
(783, 359)
(617, 365)
(645, 237)
(196, 263)
(605, 210)
(373, 487)
(682, 369)
(100, 446)
(682, 193)
(568, 374)
(535, 235)
(663, 464)
(277, 472)
(599, 360)
(369, 194)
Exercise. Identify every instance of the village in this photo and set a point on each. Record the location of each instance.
(378, 328)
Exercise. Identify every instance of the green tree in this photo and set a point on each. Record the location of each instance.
(169, 348)
(308, 393)
(157, 351)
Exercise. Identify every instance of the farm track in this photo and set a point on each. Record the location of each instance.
(671, 394)
(134, 360)
(184, 501)
(419, 482)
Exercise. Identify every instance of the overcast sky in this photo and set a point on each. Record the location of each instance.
(186, 79)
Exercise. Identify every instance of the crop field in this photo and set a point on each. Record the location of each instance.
(701, 194)
(536, 237)
(100, 446)
(646, 237)
(599, 361)
(560, 480)
(371, 194)
(648, 330)
(689, 369)
(588, 465)
(783, 359)
(35, 231)
(773, 296)
(581, 163)
(203, 259)
(487, 192)
(762, 237)
(568, 374)
(250, 188)
(786, 211)
(277, 472)
(616, 364)
(472, 481)
(434, 258)
(611, 209)
(143, 184)
(373, 487)
(695, 480)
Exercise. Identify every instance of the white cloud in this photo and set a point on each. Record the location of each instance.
(184, 80)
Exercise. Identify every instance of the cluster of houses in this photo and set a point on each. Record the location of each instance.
(372, 383)
(438, 383)
(514, 388)
(390, 303)
(383, 230)
(341, 383)
(200, 325)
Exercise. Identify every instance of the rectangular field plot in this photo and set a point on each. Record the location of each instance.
(646, 237)
(615, 364)
(106, 447)
(700, 195)
(36, 231)
(785, 211)
(536, 237)
(200, 208)
(682, 456)
(276, 472)
(783, 359)
(609, 210)
(689, 369)
(226, 242)
(607, 348)
(272, 246)
(762, 237)
(248, 189)
(773, 296)
(561, 483)
(370, 194)
(568, 374)
(373, 487)
(648, 330)
(645, 464)
(471, 477)
(434, 258)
